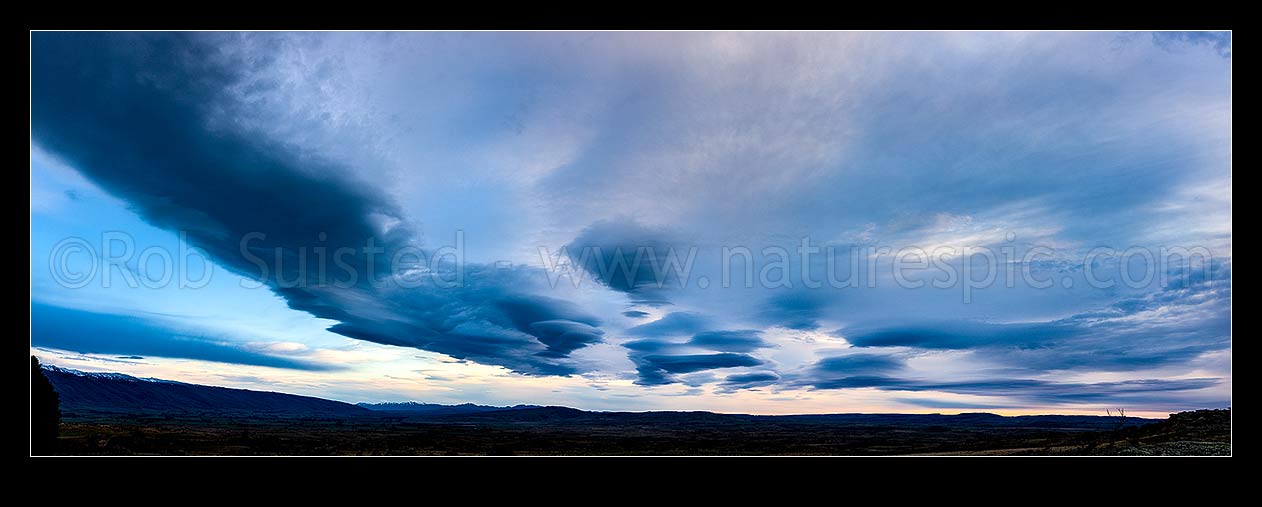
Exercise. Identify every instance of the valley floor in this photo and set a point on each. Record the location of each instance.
(1190, 433)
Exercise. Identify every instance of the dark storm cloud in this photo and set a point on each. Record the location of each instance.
(749, 380)
(149, 118)
(131, 112)
(484, 321)
(746, 378)
(661, 353)
(563, 336)
(859, 364)
(698, 362)
(853, 371)
(798, 310)
(101, 333)
(629, 257)
(959, 335)
(635, 314)
(649, 345)
(656, 369)
(746, 340)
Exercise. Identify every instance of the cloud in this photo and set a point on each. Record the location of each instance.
(750, 380)
(142, 115)
(698, 362)
(1142, 392)
(629, 257)
(1175, 325)
(555, 323)
(657, 369)
(135, 337)
(649, 345)
(718, 341)
(853, 371)
(798, 310)
(659, 354)
(673, 324)
(729, 341)
(564, 336)
(1220, 42)
(959, 335)
(858, 364)
(865, 370)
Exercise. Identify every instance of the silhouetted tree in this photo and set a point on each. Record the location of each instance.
(1121, 418)
(45, 412)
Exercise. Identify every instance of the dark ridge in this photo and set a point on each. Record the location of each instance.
(434, 409)
(83, 392)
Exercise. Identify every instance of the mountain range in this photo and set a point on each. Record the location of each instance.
(434, 409)
(88, 392)
(85, 393)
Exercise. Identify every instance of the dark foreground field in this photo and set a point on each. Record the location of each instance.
(555, 431)
(114, 414)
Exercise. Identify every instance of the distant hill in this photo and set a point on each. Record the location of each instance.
(86, 392)
(89, 392)
(435, 409)
(565, 415)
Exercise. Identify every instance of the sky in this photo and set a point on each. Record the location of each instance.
(756, 222)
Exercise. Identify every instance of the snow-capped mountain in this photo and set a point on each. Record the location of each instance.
(104, 375)
(93, 392)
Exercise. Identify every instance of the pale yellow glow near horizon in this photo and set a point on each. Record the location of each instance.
(399, 374)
